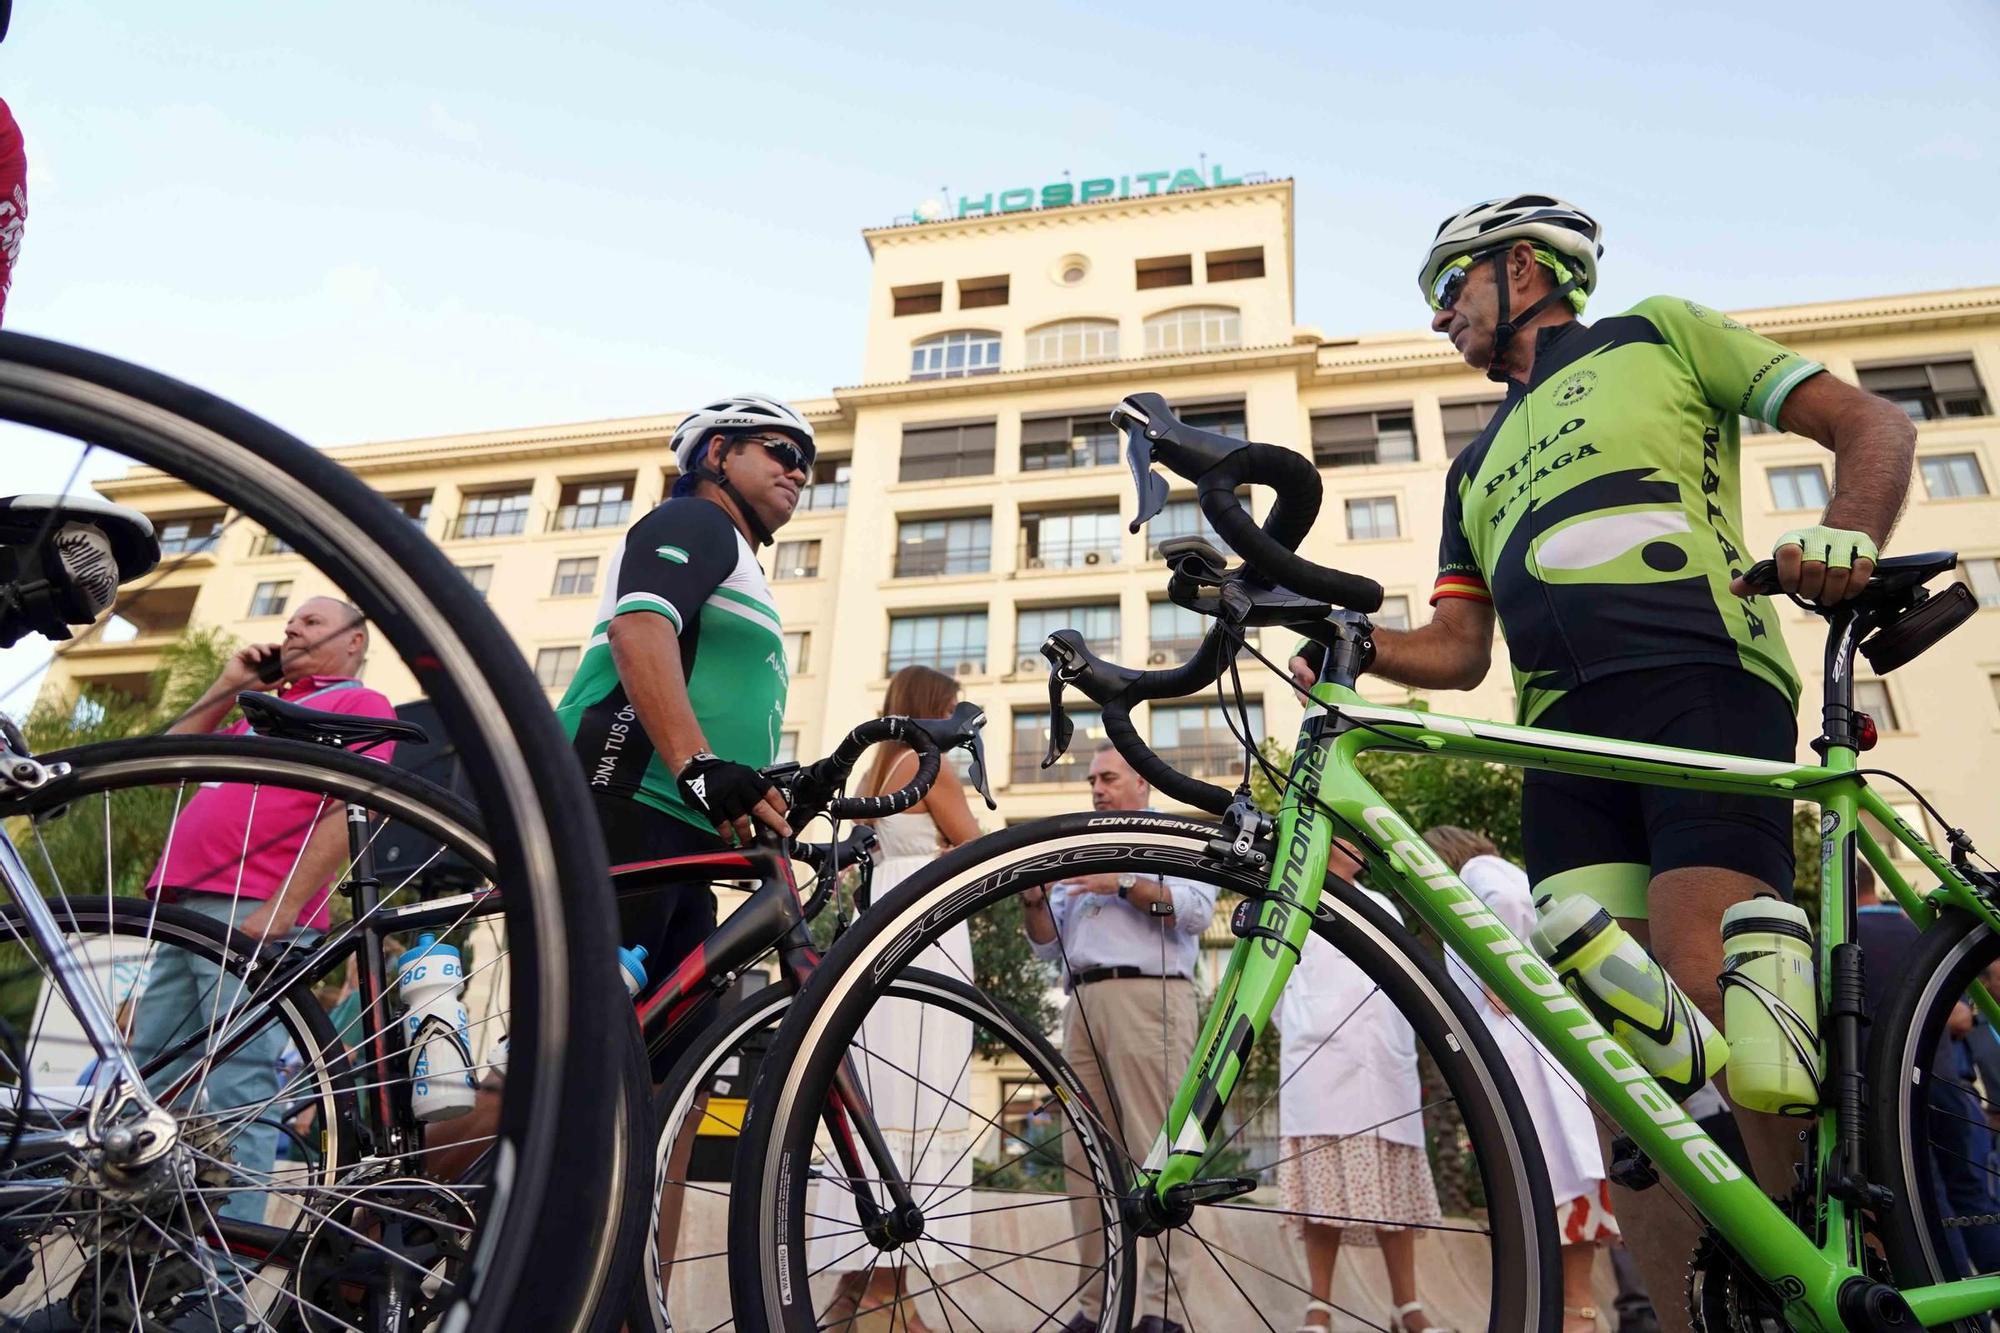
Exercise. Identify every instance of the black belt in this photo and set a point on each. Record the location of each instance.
(1088, 975)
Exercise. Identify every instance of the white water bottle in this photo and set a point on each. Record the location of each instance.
(428, 981)
(632, 969)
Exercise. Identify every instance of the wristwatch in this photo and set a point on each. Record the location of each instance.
(1125, 883)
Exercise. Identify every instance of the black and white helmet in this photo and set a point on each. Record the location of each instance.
(744, 412)
(1562, 227)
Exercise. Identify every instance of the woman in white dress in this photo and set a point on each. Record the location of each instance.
(1555, 1101)
(1351, 1162)
(912, 1059)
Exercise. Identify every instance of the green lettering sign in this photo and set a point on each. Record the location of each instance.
(1060, 194)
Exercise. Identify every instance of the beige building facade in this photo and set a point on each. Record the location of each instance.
(970, 496)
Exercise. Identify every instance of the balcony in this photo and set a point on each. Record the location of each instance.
(824, 495)
(493, 523)
(1206, 760)
(1074, 553)
(921, 561)
(1029, 662)
(584, 517)
(1027, 769)
(971, 663)
(270, 543)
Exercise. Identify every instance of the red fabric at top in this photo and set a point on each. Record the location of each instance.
(13, 199)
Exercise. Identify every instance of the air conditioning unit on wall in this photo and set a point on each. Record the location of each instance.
(1028, 666)
(1093, 557)
(969, 668)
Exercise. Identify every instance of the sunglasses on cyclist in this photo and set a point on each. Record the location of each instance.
(1450, 282)
(789, 455)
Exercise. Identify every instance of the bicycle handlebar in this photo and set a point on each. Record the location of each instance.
(816, 788)
(829, 859)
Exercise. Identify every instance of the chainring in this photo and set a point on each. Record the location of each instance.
(1725, 1297)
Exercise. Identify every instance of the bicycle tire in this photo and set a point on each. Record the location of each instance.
(542, 1252)
(766, 1266)
(1947, 959)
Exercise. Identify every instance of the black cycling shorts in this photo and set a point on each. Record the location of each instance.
(670, 923)
(1569, 822)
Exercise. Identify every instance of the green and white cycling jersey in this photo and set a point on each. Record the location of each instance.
(1600, 510)
(687, 562)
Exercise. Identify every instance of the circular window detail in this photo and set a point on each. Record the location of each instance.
(1070, 270)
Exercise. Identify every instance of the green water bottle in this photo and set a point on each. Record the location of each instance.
(1629, 993)
(1770, 1007)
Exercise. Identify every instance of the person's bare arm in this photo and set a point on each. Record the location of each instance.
(1452, 652)
(647, 653)
(239, 673)
(1873, 444)
(948, 808)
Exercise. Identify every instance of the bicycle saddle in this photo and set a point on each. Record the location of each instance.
(271, 716)
(62, 559)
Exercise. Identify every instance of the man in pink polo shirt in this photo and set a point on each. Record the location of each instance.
(260, 858)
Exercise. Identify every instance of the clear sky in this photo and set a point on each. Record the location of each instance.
(371, 220)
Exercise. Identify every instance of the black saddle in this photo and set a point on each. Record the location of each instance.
(272, 716)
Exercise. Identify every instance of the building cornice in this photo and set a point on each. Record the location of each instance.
(1032, 219)
(1296, 355)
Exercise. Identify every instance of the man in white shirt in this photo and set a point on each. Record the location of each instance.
(1127, 945)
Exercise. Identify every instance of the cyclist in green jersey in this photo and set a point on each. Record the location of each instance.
(680, 695)
(1597, 518)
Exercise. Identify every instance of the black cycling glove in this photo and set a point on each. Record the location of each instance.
(721, 790)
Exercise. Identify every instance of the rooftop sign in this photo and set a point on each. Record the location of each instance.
(1059, 194)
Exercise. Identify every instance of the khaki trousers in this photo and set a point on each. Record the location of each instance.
(1129, 1042)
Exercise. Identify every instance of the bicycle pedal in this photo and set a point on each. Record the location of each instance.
(1630, 1167)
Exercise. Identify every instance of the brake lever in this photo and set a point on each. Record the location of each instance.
(1059, 723)
(981, 783)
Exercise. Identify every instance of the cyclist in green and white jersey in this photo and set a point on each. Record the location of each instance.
(680, 694)
(1597, 518)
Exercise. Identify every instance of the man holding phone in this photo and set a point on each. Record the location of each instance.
(260, 858)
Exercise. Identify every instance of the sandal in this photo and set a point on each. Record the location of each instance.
(1403, 1313)
(1313, 1308)
(839, 1315)
(1589, 1312)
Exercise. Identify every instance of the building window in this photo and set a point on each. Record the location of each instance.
(1463, 423)
(798, 652)
(189, 535)
(1165, 271)
(1393, 614)
(1234, 265)
(1801, 487)
(954, 642)
(416, 508)
(1222, 418)
(934, 453)
(1173, 633)
(788, 748)
(1983, 577)
(1952, 476)
(1352, 439)
(828, 487)
(1194, 328)
(1031, 742)
(1872, 698)
(1071, 341)
(492, 514)
(1181, 518)
(1076, 539)
(269, 599)
(270, 543)
(1032, 625)
(479, 576)
(1372, 519)
(795, 560)
(575, 577)
(1196, 738)
(1067, 442)
(944, 546)
(925, 298)
(1929, 390)
(976, 292)
(594, 504)
(555, 666)
(950, 356)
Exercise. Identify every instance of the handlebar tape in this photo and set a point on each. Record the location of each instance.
(1270, 549)
(1160, 775)
(831, 773)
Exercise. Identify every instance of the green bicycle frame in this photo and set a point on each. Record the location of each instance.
(1808, 1270)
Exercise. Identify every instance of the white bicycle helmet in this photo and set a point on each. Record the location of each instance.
(746, 411)
(1563, 227)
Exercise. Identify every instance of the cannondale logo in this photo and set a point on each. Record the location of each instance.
(1576, 388)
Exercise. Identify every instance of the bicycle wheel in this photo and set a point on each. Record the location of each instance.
(1930, 1124)
(538, 1252)
(705, 1097)
(102, 825)
(1488, 1242)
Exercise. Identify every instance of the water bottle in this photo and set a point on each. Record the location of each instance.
(1770, 1006)
(632, 969)
(428, 980)
(1630, 994)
